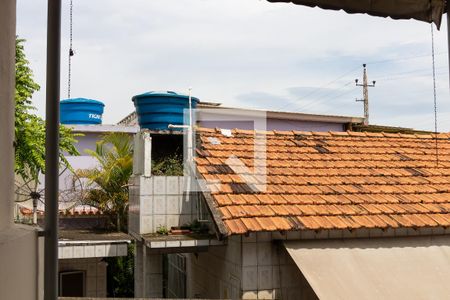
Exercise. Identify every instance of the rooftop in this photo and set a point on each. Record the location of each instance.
(325, 180)
(104, 128)
(131, 119)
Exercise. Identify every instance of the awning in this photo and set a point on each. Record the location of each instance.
(378, 268)
(422, 10)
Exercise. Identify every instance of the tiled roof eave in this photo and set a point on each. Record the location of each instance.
(325, 181)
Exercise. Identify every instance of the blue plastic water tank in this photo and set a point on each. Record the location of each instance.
(81, 111)
(156, 110)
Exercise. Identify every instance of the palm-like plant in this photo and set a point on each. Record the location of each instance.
(108, 183)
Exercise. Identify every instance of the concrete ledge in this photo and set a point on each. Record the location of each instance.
(187, 241)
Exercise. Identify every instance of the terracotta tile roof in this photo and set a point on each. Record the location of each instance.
(325, 180)
(74, 211)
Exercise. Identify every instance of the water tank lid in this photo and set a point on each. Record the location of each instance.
(80, 101)
(170, 94)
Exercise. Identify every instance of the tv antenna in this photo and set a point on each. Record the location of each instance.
(30, 193)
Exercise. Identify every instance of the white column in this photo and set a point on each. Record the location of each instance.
(7, 88)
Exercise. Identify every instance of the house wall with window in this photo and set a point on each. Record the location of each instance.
(94, 275)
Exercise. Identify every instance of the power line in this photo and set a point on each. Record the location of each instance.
(322, 98)
(71, 53)
(315, 90)
(403, 58)
(434, 94)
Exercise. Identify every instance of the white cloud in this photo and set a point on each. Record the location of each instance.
(234, 51)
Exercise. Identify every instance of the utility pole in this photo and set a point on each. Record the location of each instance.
(365, 86)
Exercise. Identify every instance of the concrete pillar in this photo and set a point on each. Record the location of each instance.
(142, 155)
(148, 273)
(153, 268)
(7, 90)
(139, 270)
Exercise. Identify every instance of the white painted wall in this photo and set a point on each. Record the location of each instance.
(19, 248)
(7, 79)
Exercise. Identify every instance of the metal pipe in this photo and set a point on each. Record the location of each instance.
(190, 157)
(52, 149)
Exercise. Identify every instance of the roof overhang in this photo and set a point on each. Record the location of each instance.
(377, 268)
(89, 244)
(430, 11)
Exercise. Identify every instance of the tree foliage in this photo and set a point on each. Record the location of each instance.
(108, 183)
(29, 144)
(120, 275)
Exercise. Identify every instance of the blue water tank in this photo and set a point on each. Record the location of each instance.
(81, 111)
(156, 110)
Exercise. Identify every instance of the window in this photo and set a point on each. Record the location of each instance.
(72, 284)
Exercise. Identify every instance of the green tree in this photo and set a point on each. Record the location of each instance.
(29, 144)
(120, 274)
(108, 183)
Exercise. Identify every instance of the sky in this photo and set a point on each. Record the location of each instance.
(244, 53)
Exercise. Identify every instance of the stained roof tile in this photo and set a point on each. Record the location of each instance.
(326, 180)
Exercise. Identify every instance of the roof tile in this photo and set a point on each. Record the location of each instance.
(326, 180)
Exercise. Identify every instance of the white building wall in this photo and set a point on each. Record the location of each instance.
(20, 251)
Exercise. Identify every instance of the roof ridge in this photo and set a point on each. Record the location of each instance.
(347, 133)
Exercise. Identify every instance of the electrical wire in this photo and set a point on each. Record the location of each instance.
(315, 90)
(323, 98)
(434, 96)
(403, 58)
(71, 53)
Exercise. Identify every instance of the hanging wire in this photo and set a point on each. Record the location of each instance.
(71, 53)
(434, 95)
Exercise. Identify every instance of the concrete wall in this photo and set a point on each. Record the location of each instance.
(265, 262)
(248, 267)
(160, 201)
(95, 270)
(215, 274)
(148, 273)
(157, 201)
